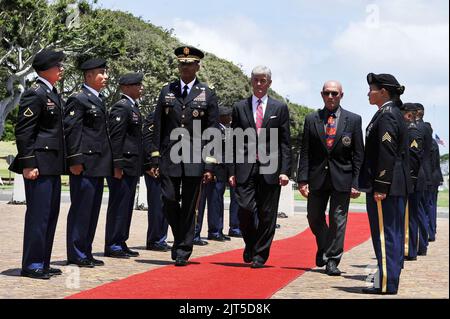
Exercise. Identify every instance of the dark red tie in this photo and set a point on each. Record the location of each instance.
(331, 130)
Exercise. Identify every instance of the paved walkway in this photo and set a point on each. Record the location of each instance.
(426, 278)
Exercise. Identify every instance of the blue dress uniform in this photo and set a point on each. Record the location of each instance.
(180, 180)
(125, 129)
(386, 170)
(40, 144)
(213, 194)
(157, 222)
(424, 204)
(88, 143)
(437, 180)
(418, 178)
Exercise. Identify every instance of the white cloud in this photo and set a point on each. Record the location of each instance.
(246, 43)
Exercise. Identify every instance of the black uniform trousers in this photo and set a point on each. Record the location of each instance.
(212, 194)
(234, 209)
(120, 211)
(433, 214)
(385, 229)
(412, 220)
(43, 200)
(86, 199)
(258, 206)
(329, 238)
(157, 222)
(423, 225)
(181, 216)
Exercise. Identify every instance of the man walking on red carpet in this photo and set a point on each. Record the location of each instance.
(261, 165)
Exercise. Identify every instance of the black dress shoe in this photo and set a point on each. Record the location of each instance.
(131, 253)
(97, 262)
(431, 239)
(35, 273)
(332, 269)
(319, 259)
(422, 253)
(158, 247)
(227, 238)
(376, 291)
(117, 254)
(180, 262)
(84, 263)
(410, 258)
(234, 234)
(257, 264)
(199, 242)
(53, 271)
(247, 255)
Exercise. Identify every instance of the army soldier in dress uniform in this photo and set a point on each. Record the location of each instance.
(385, 177)
(426, 198)
(416, 141)
(213, 193)
(157, 222)
(125, 131)
(436, 181)
(183, 104)
(40, 158)
(89, 159)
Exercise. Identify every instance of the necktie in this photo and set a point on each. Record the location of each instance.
(185, 91)
(330, 130)
(259, 116)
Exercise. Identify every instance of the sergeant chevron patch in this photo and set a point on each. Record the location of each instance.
(414, 144)
(386, 137)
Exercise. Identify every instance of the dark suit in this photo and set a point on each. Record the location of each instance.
(125, 131)
(181, 181)
(330, 174)
(258, 192)
(157, 222)
(40, 144)
(386, 170)
(88, 143)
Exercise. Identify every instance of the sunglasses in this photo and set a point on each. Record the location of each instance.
(333, 93)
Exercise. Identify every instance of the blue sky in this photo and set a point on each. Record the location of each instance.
(306, 43)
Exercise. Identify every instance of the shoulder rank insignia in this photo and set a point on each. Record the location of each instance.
(414, 144)
(386, 137)
(28, 112)
(382, 173)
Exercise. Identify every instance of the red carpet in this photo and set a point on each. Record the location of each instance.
(225, 276)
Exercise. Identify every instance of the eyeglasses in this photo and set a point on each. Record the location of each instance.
(333, 93)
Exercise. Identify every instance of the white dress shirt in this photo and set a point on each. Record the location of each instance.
(46, 82)
(190, 85)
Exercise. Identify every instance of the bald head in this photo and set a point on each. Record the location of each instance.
(332, 94)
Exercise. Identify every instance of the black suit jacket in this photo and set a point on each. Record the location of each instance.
(87, 140)
(341, 163)
(173, 112)
(39, 132)
(125, 131)
(276, 117)
(386, 160)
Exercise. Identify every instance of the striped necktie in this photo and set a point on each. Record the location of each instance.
(259, 116)
(330, 130)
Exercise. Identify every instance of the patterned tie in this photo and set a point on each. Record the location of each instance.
(259, 116)
(185, 91)
(330, 130)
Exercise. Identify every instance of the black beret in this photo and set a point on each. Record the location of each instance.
(47, 59)
(223, 110)
(188, 54)
(131, 78)
(96, 63)
(419, 107)
(407, 107)
(387, 81)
